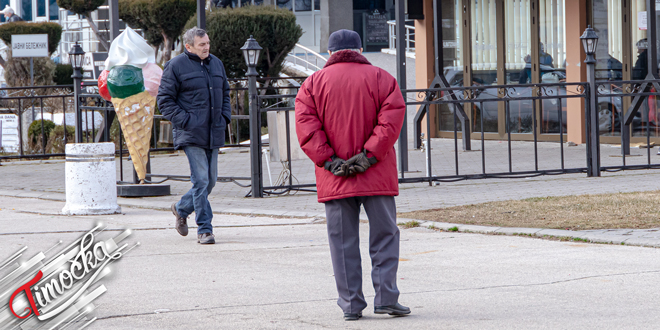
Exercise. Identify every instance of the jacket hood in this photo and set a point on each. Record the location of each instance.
(343, 56)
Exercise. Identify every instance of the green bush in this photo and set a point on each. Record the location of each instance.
(63, 73)
(35, 136)
(56, 139)
(34, 131)
(53, 30)
(80, 7)
(161, 20)
(275, 30)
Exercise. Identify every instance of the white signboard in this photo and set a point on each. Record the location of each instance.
(641, 20)
(9, 132)
(29, 45)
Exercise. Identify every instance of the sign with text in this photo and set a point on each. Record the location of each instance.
(93, 65)
(9, 132)
(375, 29)
(29, 45)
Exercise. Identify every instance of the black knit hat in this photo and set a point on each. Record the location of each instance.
(344, 39)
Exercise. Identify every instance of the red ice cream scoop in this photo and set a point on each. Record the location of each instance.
(103, 85)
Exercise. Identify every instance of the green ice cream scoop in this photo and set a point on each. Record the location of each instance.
(124, 81)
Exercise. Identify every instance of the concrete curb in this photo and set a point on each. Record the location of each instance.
(568, 235)
(587, 237)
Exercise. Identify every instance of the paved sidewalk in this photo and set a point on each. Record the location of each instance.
(275, 273)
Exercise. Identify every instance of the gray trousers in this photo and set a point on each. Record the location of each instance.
(344, 237)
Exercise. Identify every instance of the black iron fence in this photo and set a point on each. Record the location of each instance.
(536, 104)
(536, 110)
(21, 106)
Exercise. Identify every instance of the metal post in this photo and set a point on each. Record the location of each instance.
(77, 80)
(593, 134)
(201, 14)
(34, 117)
(113, 16)
(255, 137)
(401, 78)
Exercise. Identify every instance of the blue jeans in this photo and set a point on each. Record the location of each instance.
(203, 174)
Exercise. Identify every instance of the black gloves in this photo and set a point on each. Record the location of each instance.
(337, 166)
(360, 163)
(356, 164)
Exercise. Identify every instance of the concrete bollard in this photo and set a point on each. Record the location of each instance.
(91, 179)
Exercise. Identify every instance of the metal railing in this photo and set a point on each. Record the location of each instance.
(26, 103)
(410, 32)
(302, 57)
(534, 109)
(644, 123)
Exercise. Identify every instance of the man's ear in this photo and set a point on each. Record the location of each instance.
(330, 52)
(361, 49)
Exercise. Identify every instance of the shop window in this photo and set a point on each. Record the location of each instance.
(484, 63)
(608, 24)
(647, 120)
(452, 66)
(518, 64)
(552, 61)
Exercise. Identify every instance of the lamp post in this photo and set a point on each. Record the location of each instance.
(589, 42)
(251, 51)
(76, 56)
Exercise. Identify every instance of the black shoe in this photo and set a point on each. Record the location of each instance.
(181, 223)
(396, 309)
(352, 317)
(206, 238)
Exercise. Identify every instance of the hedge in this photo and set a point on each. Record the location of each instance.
(53, 30)
(62, 75)
(275, 30)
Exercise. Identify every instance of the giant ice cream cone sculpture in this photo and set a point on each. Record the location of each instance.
(125, 83)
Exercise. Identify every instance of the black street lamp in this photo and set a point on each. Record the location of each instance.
(251, 51)
(76, 57)
(589, 42)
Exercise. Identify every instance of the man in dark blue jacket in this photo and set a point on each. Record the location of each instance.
(194, 96)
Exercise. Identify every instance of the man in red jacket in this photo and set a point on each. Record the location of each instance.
(348, 117)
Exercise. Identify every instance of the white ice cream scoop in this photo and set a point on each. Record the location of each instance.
(129, 48)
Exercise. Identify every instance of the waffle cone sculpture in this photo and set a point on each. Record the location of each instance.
(123, 82)
(136, 115)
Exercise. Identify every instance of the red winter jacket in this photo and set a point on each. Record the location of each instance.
(349, 106)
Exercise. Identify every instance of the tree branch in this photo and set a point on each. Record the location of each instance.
(95, 28)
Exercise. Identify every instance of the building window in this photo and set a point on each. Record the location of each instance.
(26, 5)
(53, 10)
(288, 4)
(41, 8)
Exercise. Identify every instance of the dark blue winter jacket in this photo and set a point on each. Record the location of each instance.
(194, 96)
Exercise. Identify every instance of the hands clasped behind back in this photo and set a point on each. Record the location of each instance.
(356, 164)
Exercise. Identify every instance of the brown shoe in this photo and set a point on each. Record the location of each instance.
(206, 238)
(181, 223)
